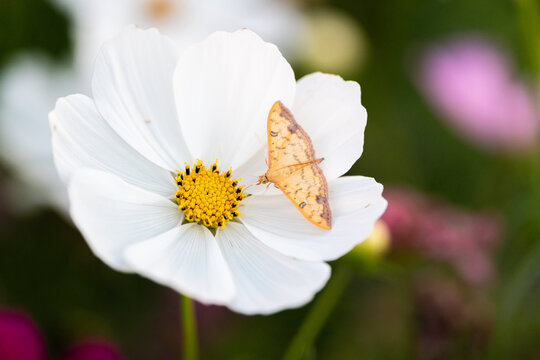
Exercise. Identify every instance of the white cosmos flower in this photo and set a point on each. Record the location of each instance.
(28, 89)
(154, 110)
(186, 21)
(31, 83)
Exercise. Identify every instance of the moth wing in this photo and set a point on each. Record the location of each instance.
(288, 143)
(306, 187)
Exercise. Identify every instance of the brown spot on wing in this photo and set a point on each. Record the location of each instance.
(292, 127)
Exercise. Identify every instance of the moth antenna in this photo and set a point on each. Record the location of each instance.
(247, 187)
(253, 176)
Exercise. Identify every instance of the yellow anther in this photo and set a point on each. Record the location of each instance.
(208, 196)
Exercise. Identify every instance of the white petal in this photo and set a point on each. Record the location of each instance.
(81, 138)
(356, 203)
(112, 214)
(265, 280)
(132, 88)
(186, 258)
(224, 88)
(330, 111)
(250, 170)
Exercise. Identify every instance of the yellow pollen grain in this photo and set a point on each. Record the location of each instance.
(207, 196)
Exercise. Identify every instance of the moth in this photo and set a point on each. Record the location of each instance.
(293, 168)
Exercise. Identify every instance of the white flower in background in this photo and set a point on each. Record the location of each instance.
(153, 115)
(186, 21)
(28, 89)
(31, 84)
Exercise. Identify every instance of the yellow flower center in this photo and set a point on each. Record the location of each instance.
(208, 196)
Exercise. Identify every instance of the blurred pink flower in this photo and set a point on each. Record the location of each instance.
(464, 239)
(93, 350)
(471, 82)
(20, 338)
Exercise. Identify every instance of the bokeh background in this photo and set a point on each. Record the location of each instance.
(451, 272)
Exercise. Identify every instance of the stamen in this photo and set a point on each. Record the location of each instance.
(210, 198)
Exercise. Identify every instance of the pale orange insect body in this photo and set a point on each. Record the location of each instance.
(293, 168)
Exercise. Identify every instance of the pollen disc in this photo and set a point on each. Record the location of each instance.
(207, 196)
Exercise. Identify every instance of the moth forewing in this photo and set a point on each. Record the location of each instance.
(292, 167)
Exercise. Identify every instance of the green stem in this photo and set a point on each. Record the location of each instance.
(528, 20)
(318, 315)
(189, 329)
(529, 23)
(525, 279)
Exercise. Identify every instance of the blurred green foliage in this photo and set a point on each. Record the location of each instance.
(47, 268)
(32, 25)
